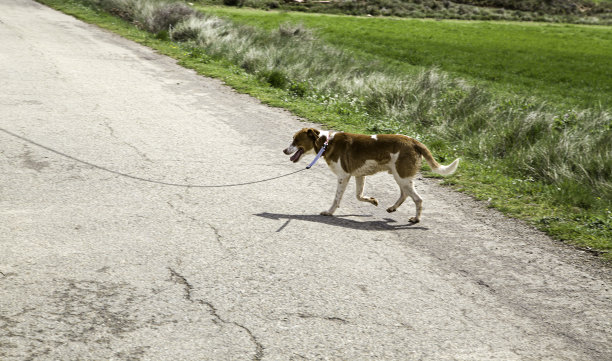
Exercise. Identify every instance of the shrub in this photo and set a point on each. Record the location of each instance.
(152, 15)
(232, 2)
(168, 15)
(163, 35)
(275, 78)
(185, 31)
(299, 89)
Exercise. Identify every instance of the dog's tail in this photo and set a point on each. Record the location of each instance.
(435, 167)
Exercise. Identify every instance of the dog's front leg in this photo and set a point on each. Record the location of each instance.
(342, 183)
(359, 185)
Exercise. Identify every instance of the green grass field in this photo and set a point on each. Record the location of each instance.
(569, 65)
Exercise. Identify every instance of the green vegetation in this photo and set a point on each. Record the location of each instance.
(560, 11)
(547, 165)
(558, 63)
(547, 6)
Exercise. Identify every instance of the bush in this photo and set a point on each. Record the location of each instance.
(232, 2)
(185, 31)
(163, 35)
(169, 15)
(299, 89)
(275, 78)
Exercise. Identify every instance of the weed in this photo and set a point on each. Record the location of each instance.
(163, 35)
(299, 88)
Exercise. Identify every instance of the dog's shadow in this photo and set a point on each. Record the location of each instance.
(342, 221)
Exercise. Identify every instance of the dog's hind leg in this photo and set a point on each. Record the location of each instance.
(407, 189)
(418, 202)
(399, 201)
(402, 183)
(342, 183)
(360, 184)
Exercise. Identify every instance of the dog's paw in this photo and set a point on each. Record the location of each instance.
(391, 209)
(414, 220)
(325, 213)
(373, 201)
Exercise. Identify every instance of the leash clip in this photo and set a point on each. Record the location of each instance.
(318, 154)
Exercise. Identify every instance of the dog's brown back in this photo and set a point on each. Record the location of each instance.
(353, 150)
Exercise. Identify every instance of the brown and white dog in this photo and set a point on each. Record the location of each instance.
(361, 155)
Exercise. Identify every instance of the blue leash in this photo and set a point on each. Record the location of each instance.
(318, 155)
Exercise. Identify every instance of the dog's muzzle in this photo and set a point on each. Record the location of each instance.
(290, 149)
(297, 153)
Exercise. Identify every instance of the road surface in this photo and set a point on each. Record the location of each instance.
(95, 264)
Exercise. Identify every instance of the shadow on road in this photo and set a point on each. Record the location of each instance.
(342, 221)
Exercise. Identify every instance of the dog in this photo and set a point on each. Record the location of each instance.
(359, 155)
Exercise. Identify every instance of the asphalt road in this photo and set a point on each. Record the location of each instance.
(97, 265)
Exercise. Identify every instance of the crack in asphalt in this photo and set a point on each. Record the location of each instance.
(259, 349)
(218, 237)
(181, 280)
(326, 318)
(212, 310)
(142, 154)
(398, 325)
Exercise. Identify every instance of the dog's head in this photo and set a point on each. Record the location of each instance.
(303, 142)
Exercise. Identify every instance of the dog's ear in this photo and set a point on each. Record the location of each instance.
(313, 133)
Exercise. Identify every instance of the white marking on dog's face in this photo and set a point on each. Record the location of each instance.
(290, 149)
(374, 137)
